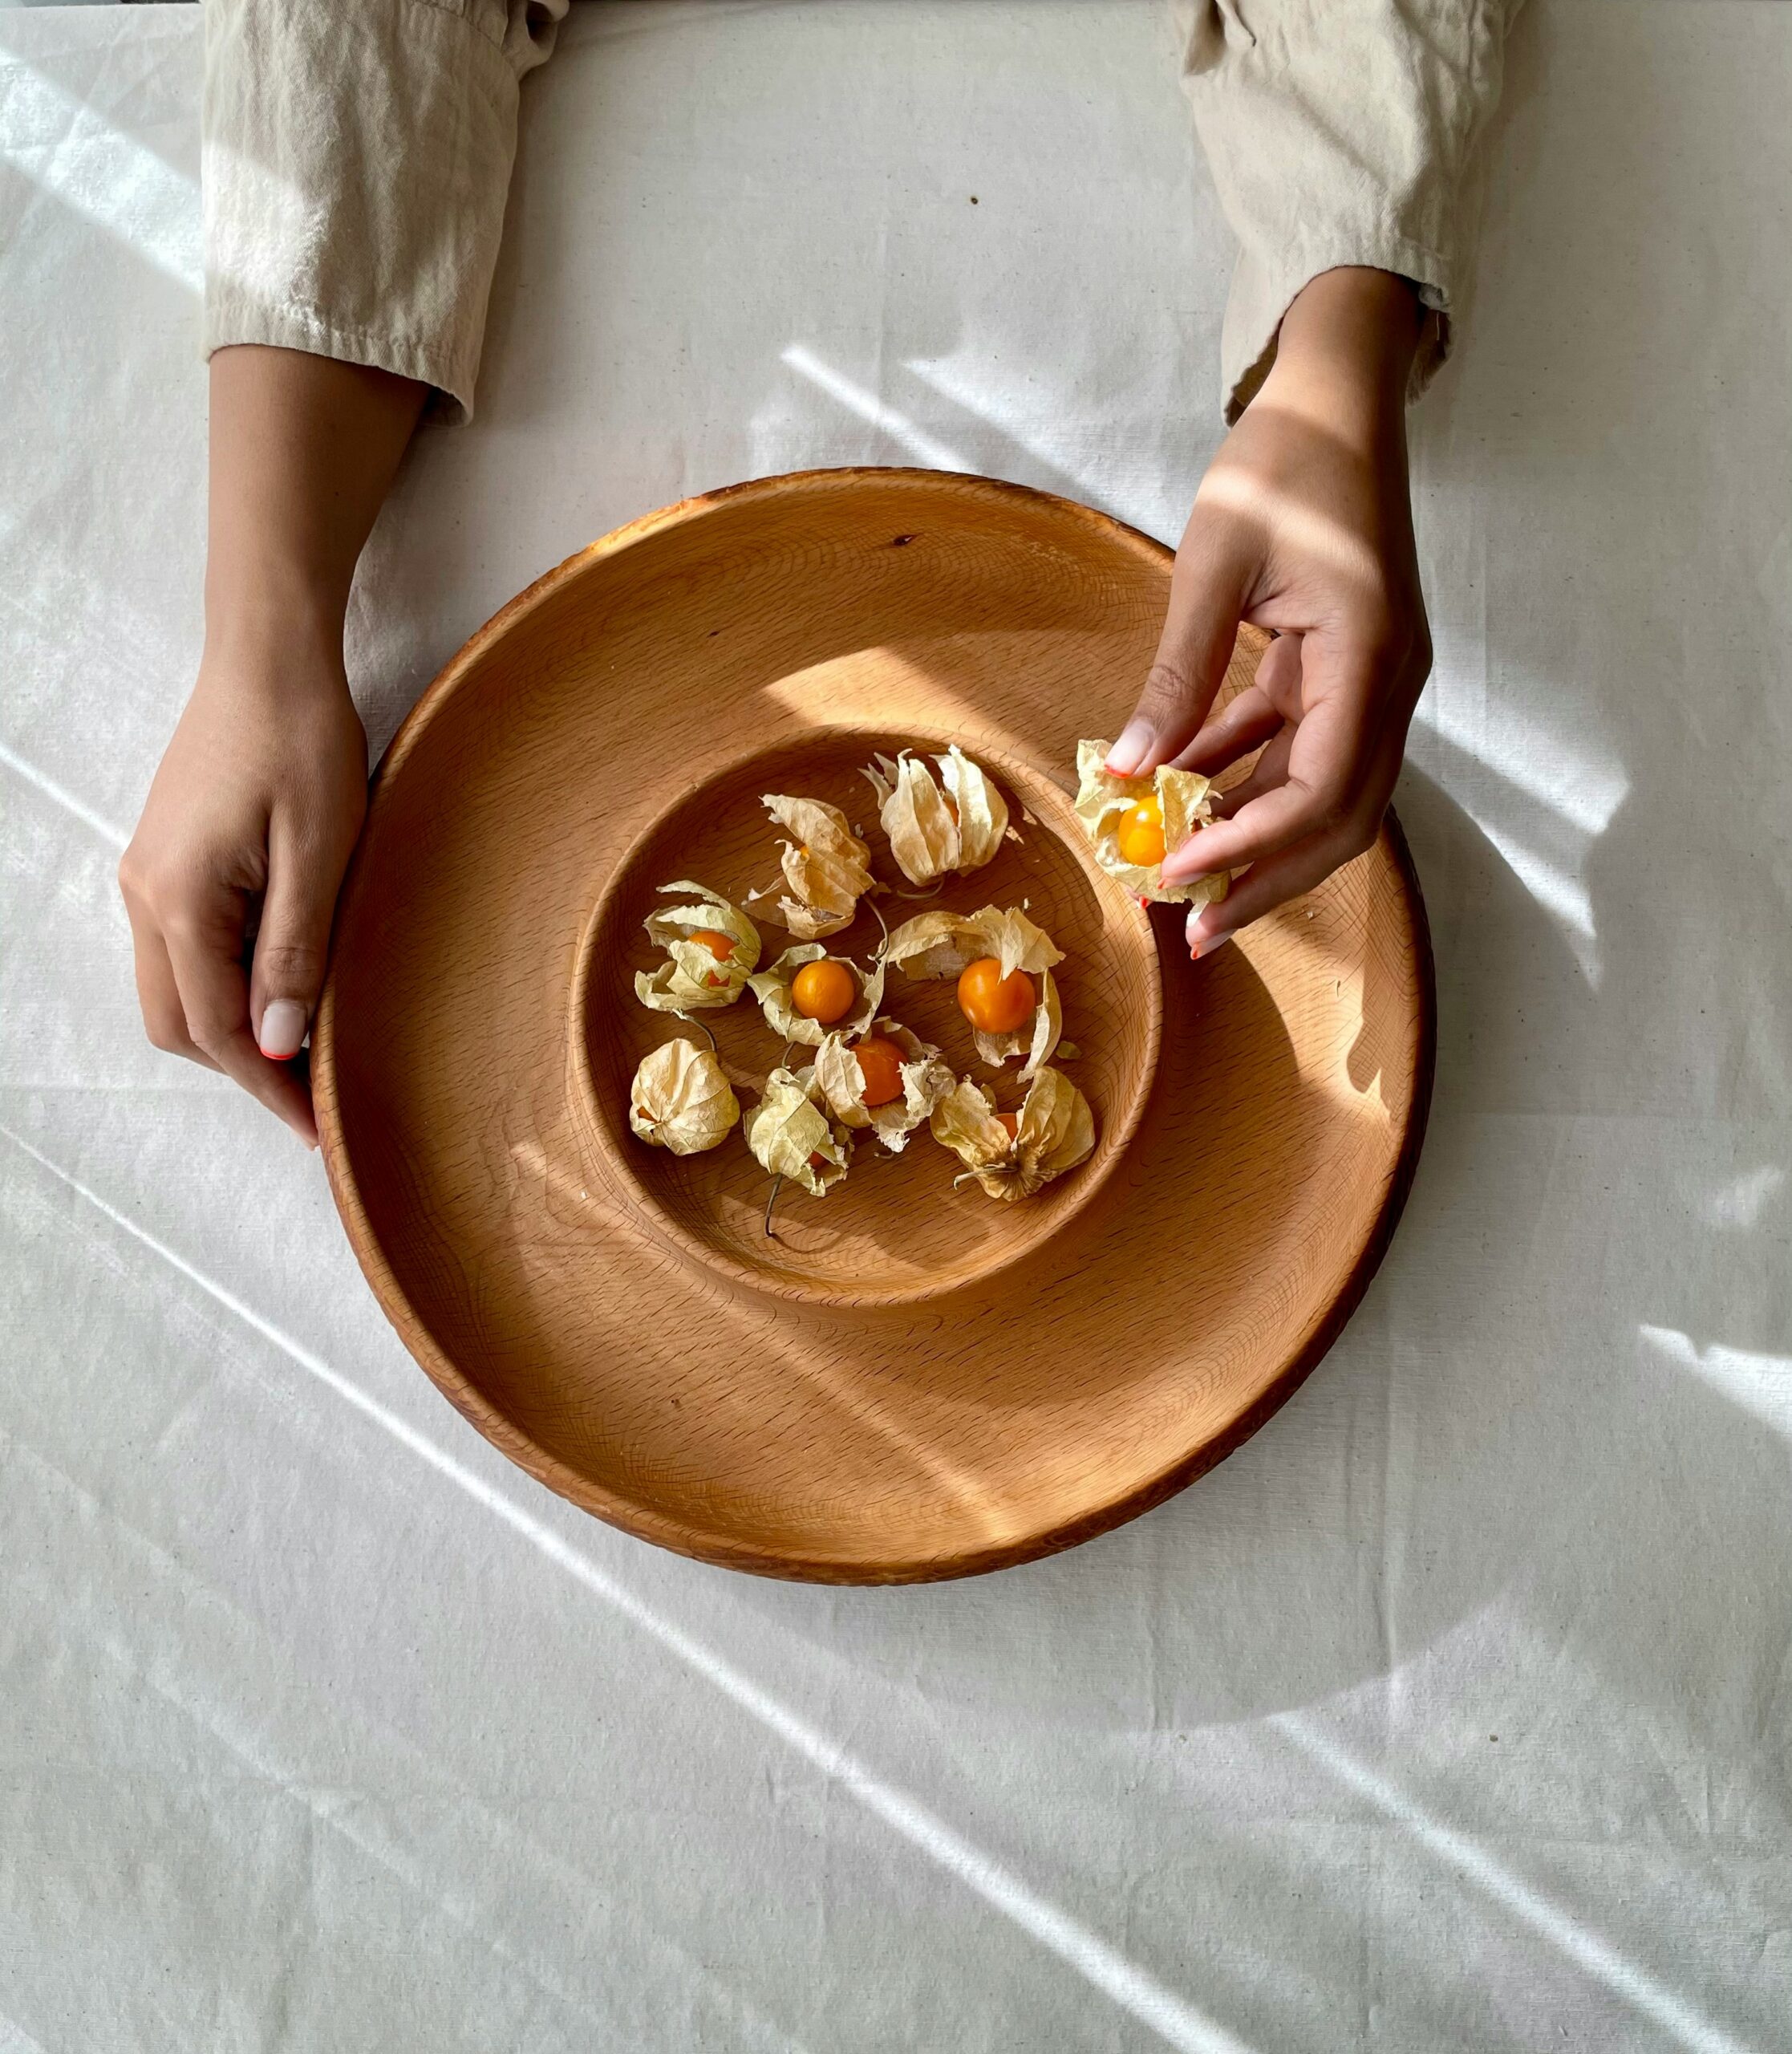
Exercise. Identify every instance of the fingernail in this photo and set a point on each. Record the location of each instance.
(1201, 946)
(282, 1029)
(1132, 748)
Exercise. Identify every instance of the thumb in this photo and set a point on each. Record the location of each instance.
(1206, 596)
(293, 947)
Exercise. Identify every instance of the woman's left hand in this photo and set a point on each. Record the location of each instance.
(1303, 525)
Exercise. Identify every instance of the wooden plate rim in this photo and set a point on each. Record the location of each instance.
(643, 1521)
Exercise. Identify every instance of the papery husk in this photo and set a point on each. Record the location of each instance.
(1055, 1132)
(955, 822)
(1186, 798)
(1037, 1039)
(772, 986)
(942, 945)
(982, 811)
(787, 1127)
(681, 985)
(925, 1081)
(827, 867)
(681, 1100)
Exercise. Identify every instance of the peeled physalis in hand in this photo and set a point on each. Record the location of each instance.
(680, 1099)
(827, 867)
(1002, 962)
(711, 948)
(807, 991)
(792, 1136)
(1010, 1155)
(888, 1080)
(1134, 822)
(933, 829)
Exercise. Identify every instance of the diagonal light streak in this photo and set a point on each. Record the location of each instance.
(1133, 1989)
(869, 408)
(70, 149)
(66, 800)
(1584, 1948)
(1760, 1384)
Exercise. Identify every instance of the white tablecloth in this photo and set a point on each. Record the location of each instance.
(1452, 1711)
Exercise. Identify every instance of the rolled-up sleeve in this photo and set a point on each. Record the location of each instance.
(1341, 132)
(356, 158)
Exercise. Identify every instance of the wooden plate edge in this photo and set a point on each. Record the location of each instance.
(642, 1522)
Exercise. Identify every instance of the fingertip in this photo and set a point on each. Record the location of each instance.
(284, 1021)
(1129, 753)
(1190, 870)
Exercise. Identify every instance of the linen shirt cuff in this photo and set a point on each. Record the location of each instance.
(1263, 292)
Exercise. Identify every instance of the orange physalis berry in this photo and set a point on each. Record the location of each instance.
(823, 991)
(880, 1064)
(993, 1004)
(1140, 836)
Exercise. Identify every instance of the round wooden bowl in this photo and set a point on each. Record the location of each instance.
(895, 1231)
(766, 1425)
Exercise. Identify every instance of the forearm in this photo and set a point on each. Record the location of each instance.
(1346, 348)
(303, 452)
(1344, 135)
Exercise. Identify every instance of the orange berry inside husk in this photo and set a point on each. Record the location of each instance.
(880, 1064)
(1140, 836)
(720, 946)
(823, 991)
(1010, 1122)
(993, 1004)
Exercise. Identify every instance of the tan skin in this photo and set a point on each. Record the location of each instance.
(259, 798)
(1302, 525)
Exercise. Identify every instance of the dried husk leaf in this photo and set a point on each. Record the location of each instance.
(913, 812)
(934, 830)
(787, 1129)
(773, 988)
(1037, 1039)
(1055, 1132)
(827, 867)
(925, 1081)
(681, 1100)
(982, 811)
(940, 944)
(681, 984)
(1186, 798)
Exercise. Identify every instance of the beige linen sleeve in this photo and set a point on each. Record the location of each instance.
(356, 155)
(1341, 132)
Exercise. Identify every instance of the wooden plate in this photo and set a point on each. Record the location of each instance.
(895, 1231)
(882, 1442)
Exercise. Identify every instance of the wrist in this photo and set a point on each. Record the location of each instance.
(270, 592)
(1345, 350)
(275, 629)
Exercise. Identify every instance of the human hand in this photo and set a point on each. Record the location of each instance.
(1303, 525)
(251, 818)
(231, 879)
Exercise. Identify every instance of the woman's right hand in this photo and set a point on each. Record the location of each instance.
(230, 880)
